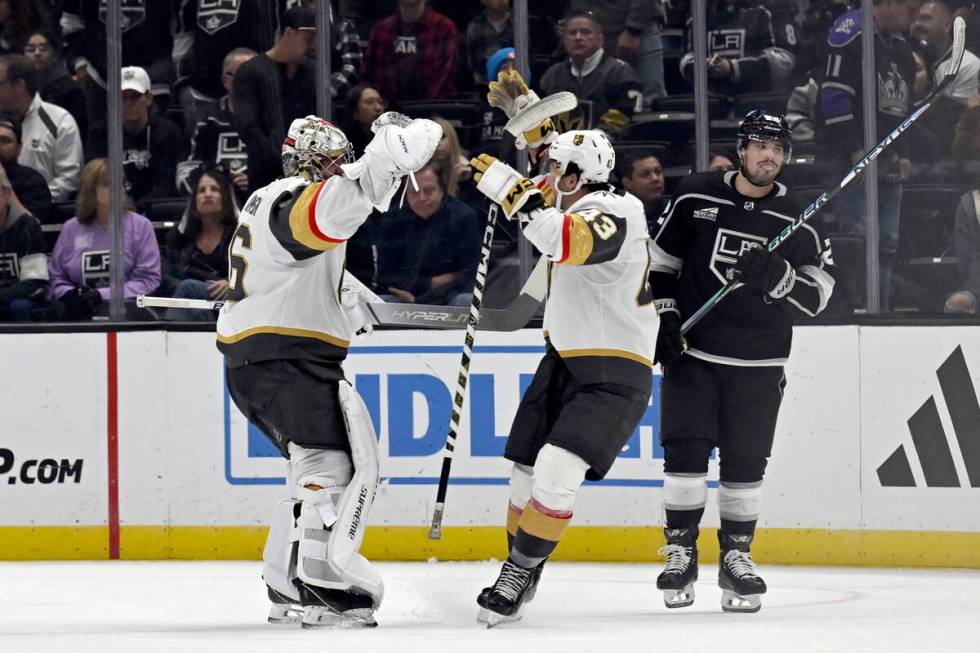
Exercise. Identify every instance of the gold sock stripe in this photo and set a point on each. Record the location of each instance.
(543, 526)
(513, 518)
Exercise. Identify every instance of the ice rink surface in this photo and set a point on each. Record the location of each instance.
(145, 607)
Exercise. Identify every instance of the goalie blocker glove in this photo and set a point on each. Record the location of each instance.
(765, 271)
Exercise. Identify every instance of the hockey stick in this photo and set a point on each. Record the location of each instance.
(516, 316)
(435, 531)
(956, 58)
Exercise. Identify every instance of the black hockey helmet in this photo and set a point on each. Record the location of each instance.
(759, 125)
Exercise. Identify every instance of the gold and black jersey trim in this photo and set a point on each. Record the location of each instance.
(293, 223)
(590, 236)
(609, 366)
(621, 353)
(284, 343)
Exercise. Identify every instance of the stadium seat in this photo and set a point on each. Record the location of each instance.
(717, 105)
(675, 127)
(769, 102)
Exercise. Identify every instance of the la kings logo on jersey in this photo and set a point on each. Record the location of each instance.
(215, 15)
(729, 244)
(727, 42)
(133, 13)
(95, 268)
(893, 93)
(9, 267)
(231, 151)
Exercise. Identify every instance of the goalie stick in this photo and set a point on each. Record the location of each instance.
(956, 58)
(516, 316)
(435, 531)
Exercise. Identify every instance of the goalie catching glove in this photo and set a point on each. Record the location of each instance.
(765, 271)
(511, 95)
(505, 186)
(400, 147)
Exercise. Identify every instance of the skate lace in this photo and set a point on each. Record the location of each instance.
(740, 563)
(678, 557)
(511, 581)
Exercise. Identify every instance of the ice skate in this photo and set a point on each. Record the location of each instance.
(681, 571)
(741, 586)
(336, 609)
(505, 600)
(284, 610)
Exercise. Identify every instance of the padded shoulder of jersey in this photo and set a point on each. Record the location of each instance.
(846, 28)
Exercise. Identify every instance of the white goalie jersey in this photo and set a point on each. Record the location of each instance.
(286, 264)
(599, 315)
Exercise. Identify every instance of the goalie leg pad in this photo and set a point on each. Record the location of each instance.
(279, 554)
(333, 517)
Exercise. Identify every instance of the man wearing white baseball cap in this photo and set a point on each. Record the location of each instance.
(152, 145)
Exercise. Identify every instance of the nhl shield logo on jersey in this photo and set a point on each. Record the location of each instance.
(729, 244)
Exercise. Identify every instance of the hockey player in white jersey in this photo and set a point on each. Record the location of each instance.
(593, 384)
(284, 335)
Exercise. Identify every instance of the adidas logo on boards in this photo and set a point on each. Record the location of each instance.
(929, 438)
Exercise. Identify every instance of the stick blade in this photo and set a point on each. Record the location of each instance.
(959, 46)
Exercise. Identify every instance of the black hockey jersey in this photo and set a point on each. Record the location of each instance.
(700, 236)
(840, 101)
(23, 263)
(215, 142)
(147, 35)
(758, 42)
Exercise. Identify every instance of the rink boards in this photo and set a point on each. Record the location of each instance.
(126, 445)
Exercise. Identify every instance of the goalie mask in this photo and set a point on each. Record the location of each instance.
(314, 148)
(591, 153)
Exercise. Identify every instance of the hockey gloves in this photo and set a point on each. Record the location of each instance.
(765, 271)
(505, 186)
(670, 342)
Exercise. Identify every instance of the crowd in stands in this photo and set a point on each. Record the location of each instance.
(208, 90)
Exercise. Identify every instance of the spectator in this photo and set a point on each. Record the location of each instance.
(607, 88)
(54, 145)
(631, 30)
(453, 162)
(966, 242)
(55, 84)
(719, 162)
(364, 104)
(271, 90)
(17, 19)
(152, 145)
(966, 137)
(29, 192)
(411, 55)
(933, 28)
(840, 135)
(147, 41)
(743, 53)
(487, 33)
(494, 119)
(79, 265)
(215, 141)
(428, 250)
(208, 31)
(195, 256)
(643, 176)
(23, 263)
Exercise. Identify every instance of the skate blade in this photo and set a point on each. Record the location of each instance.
(284, 615)
(679, 598)
(732, 602)
(324, 618)
(491, 618)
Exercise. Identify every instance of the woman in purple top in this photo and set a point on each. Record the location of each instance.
(79, 266)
